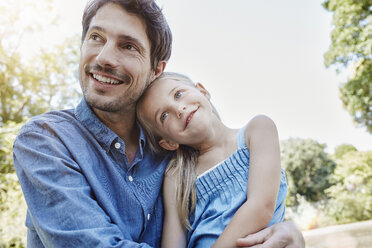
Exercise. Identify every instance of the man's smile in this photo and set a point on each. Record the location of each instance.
(107, 75)
(104, 79)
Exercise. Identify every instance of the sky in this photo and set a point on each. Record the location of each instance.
(254, 57)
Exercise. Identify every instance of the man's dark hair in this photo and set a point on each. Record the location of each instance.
(157, 29)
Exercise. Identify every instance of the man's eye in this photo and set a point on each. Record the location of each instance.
(95, 37)
(178, 94)
(130, 47)
(163, 116)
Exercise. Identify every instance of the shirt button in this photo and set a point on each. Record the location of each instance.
(130, 178)
(148, 217)
(117, 145)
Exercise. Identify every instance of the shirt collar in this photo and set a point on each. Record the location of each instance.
(103, 134)
(142, 139)
(89, 119)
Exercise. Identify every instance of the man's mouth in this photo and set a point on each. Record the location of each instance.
(107, 75)
(189, 117)
(106, 80)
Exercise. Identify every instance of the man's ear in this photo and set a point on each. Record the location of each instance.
(158, 70)
(202, 89)
(168, 145)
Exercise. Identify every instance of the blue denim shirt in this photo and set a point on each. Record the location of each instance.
(79, 187)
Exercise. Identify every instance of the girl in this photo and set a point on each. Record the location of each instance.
(209, 196)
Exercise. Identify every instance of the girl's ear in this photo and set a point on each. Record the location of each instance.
(168, 145)
(205, 92)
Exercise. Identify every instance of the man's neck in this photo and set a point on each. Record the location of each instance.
(124, 125)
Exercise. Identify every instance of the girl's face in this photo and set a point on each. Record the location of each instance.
(177, 111)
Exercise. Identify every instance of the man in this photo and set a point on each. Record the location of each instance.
(88, 177)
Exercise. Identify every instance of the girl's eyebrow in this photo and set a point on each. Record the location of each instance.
(174, 89)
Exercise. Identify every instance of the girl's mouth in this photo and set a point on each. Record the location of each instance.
(189, 117)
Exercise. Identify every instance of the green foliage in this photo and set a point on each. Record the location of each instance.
(356, 94)
(12, 204)
(7, 135)
(45, 82)
(14, 243)
(352, 46)
(351, 32)
(12, 212)
(341, 150)
(308, 169)
(351, 196)
(28, 87)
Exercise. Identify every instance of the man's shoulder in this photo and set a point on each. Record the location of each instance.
(49, 120)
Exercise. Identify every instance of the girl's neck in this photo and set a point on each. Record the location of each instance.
(219, 145)
(217, 136)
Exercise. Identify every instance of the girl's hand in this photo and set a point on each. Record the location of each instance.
(281, 235)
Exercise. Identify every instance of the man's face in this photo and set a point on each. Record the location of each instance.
(115, 63)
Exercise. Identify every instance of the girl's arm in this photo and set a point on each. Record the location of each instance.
(263, 182)
(174, 233)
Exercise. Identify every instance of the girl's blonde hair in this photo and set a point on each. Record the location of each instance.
(184, 160)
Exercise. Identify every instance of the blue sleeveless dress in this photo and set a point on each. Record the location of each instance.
(220, 192)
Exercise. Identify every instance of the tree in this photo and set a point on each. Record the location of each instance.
(12, 205)
(27, 88)
(308, 169)
(45, 82)
(341, 150)
(352, 47)
(351, 196)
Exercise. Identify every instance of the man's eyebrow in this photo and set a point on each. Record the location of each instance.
(96, 28)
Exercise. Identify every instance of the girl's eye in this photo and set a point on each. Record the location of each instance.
(178, 94)
(163, 116)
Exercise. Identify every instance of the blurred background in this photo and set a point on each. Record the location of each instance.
(306, 64)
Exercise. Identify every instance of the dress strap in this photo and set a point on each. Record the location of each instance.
(241, 138)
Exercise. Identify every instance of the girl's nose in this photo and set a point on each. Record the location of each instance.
(181, 110)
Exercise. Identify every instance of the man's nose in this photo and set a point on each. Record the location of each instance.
(107, 57)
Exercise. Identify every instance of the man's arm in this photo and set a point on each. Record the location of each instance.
(281, 235)
(61, 203)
